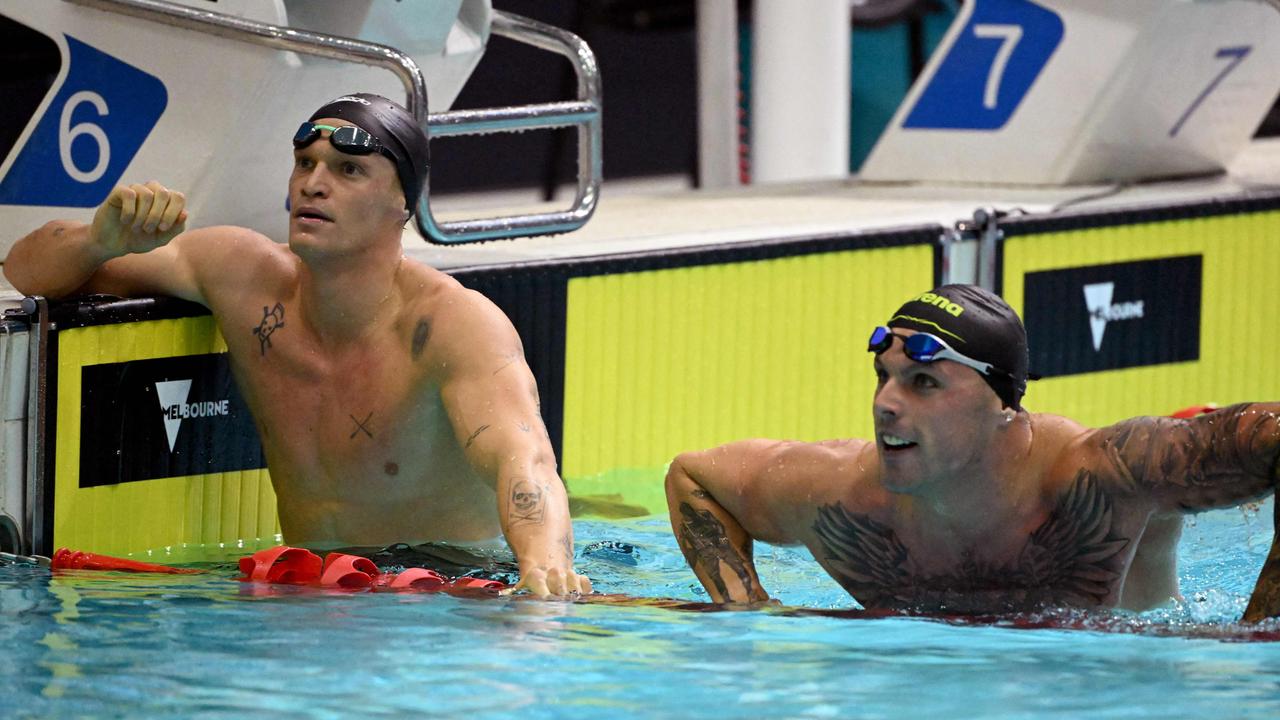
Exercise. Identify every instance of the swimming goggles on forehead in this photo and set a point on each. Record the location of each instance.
(347, 139)
(925, 348)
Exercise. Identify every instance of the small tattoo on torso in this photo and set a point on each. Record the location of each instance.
(420, 334)
(272, 320)
(475, 435)
(362, 426)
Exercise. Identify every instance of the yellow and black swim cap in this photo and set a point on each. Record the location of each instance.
(395, 128)
(978, 324)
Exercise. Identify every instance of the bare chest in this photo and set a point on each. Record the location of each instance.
(366, 410)
(1077, 556)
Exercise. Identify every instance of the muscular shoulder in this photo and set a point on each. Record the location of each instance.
(792, 471)
(450, 324)
(228, 258)
(826, 459)
(223, 243)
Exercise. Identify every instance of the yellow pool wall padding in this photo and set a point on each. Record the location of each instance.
(663, 361)
(1240, 315)
(199, 511)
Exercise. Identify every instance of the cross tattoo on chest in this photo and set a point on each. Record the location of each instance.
(361, 426)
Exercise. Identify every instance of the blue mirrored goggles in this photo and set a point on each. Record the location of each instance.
(347, 139)
(925, 348)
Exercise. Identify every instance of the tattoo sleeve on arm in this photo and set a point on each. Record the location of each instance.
(1265, 601)
(1216, 460)
(706, 545)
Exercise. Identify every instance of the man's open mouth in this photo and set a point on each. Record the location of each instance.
(312, 215)
(893, 443)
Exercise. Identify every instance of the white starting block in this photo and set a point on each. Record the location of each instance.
(205, 99)
(1057, 92)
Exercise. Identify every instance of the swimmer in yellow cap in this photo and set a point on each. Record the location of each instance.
(965, 502)
(393, 404)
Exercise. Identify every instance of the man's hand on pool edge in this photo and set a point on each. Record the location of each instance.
(544, 582)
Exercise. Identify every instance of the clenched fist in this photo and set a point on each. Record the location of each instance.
(139, 218)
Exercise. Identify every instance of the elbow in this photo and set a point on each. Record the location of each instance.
(676, 471)
(679, 482)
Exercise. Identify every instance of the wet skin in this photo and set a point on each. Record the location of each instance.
(958, 507)
(393, 404)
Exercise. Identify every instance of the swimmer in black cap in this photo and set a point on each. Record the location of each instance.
(965, 502)
(375, 125)
(394, 405)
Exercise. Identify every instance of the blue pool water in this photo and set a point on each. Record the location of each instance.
(114, 645)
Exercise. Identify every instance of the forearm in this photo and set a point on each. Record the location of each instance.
(55, 260)
(534, 512)
(714, 543)
(1265, 601)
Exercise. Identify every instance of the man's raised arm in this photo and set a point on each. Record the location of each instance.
(1221, 459)
(64, 257)
(492, 401)
(720, 501)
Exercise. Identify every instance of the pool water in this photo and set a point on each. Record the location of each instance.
(114, 645)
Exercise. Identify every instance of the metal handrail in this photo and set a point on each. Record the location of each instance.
(280, 38)
(584, 114)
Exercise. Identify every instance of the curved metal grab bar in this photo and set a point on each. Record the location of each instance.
(584, 114)
(280, 38)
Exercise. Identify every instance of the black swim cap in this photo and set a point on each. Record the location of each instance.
(395, 128)
(978, 324)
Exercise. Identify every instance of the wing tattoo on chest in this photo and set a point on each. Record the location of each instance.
(1075, 557)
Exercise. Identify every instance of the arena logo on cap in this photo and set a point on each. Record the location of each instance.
(1107, 317)
(953, 309)
(351, 98)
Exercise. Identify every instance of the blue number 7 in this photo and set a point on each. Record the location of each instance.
(1237, 55)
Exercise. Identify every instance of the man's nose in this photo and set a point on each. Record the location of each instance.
(316, 182)
(886, 404)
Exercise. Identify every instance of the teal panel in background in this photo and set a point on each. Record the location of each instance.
(881, 71)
